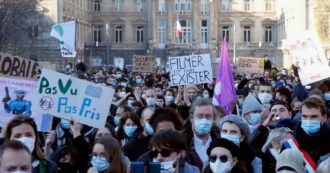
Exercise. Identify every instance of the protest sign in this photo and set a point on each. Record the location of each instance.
(190, 69)
(144, 64)
(14, 66)
(250, 65)
(65, 97)
(16, 95)
(309, 57)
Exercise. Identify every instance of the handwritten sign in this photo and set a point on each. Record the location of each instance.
(14, 66)
(16, 96)
(250, 65)
(65, 96)
(191, 69)
(309, 57)
(143, 64)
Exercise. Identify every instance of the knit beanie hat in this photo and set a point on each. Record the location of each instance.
(250, 104)
(291, 158)
(237, 120)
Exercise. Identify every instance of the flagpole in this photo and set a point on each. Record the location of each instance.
(234, 35)
(75, 43)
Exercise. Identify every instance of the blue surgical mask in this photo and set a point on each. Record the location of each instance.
(326, 96)
(240, 101)
(138, 81)
(151, 102)
(311, 126)
(130, 130)
(206, 96)
(124, 84)
(100, 163)
(203, 126)
(116, 120)
(129, 103)
(65, 124)
(233, 138)
(192, 98)
(149, 130)
(255, 118)
(169, 99)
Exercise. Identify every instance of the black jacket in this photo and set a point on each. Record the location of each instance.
(316, 145)
(136, 147)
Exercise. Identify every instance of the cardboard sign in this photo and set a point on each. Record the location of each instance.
(15, 66)
(190, 69)
(144, 64)
(249, 65)
(16, 96)
(65, 97)
(309, 57)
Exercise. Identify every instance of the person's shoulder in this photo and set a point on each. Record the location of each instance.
(51, 166)
(190, 168)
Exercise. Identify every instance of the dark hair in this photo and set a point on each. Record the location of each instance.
(114, 153)
(324, 86)
(280, 102)
(286, 92)
(169, 90)
(13, 145)
(201, 102)
(159, 86)
(170, 139)
(314, 102)
(165, 114)
(129, 115)
(19, 120)
(126, 108)
(109, 127)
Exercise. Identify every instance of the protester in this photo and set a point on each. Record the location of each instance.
(129, 127)
(169, 148)
(15, 157)
(251, 111)
(290, 160)
(24, 129)
(224, 157)
(324, 167)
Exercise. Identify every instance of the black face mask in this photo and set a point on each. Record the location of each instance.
(66, 168)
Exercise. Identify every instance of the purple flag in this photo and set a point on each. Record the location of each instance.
(224, 91)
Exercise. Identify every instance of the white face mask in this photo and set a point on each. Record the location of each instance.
(265, 97)
(220, 167)
(151, 101)
(286, 171)
(122, 94)
(28, 142)
(167, 166)
(19, 172)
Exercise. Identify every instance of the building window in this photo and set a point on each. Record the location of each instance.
(185, 36)
(247, 34)
(225, 5)
(97, 5)
(268, 34)
(225, 33)
(118, 5)
(268, 5)
(139, 5)
(162, 32)
(97, 34)
(119, 34)
(161, 6)
(247, 5)
(182, 6)
(204, 32)
(33, 31)
(204, 7)
(139, 34)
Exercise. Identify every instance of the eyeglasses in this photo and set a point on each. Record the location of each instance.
(223, 158)
(163, 152)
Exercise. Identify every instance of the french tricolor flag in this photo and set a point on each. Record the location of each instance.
(178, 28)
(310, 164)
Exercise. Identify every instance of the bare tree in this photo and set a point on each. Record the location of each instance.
(15, 17)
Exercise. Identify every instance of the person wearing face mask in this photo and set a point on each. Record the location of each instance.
(202, 118)
(324, 87)
(150, 98)
(224, 157)
(159, 89)
(168, 147)
(240, 94)
(129, 127)
(272, 148)
(139, 145)
(15, 158)
(169, 98)
(313, 133)
(24, 129)
(233, 128)
(265, 95)
(138, 80)
(107, 156)
(251, 112)
(290, 161)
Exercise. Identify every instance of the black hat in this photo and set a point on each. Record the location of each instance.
(225, 143)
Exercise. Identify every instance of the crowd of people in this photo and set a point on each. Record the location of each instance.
(179, 128)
